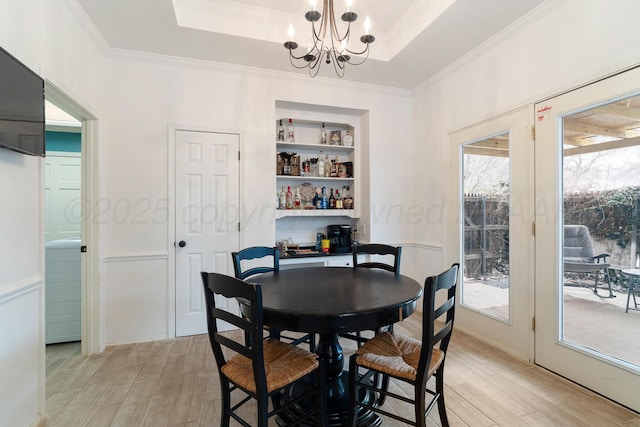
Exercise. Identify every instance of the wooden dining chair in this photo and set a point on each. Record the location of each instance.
(375, 249)
(253, 260)
(242, 261)
(261, 369)
(409, 360)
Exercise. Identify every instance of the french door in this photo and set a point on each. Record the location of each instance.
(491, 168)
(587, 173)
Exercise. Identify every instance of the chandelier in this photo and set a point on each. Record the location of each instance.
(327, 44)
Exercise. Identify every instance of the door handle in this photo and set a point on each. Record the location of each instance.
(182, 243)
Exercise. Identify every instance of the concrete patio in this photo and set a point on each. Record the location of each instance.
(590, 321)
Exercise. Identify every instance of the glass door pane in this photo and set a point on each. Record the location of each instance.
(601, 193)
(486, 183)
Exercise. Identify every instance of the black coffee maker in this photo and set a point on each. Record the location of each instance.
(339, 238)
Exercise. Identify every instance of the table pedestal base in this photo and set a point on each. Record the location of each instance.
(338, 407)
(330, 351)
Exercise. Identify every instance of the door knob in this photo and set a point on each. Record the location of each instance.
(182, 243)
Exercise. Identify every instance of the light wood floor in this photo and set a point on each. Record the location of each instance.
(174, 383)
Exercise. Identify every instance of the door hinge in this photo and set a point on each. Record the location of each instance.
(238, 226)
(533, 133)
(533, 324)
(238, 155)
(533, 228)
(83, 248)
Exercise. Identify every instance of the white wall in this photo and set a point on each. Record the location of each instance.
(137, 100)
(47, 38)
(145, 96)
(561, 46)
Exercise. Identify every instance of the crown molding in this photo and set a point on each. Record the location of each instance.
(87, 25)
(413, 21)
(538, 13)
(233, 69)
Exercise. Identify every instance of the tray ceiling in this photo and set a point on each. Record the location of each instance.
(415, 39)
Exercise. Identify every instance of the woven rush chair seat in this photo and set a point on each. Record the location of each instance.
(283, 364)
(396, 355)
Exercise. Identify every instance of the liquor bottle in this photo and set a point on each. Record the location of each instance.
(332, 200)
(324, 200)
(297, 200)
(280, 131)
(339, 203)
(320, 164)
(291, 132)
(282, 199)
(334, 167)
(317, 199)
(323, 135)
(327, 166)
(289, 198)
(286, 169)
(348, 139)
(348, 200)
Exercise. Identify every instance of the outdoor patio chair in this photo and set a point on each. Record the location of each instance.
(579, 256)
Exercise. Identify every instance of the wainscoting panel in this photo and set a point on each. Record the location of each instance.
(136, 297)
(420, 261)
(22, 353)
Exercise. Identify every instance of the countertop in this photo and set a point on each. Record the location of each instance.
(310, 252)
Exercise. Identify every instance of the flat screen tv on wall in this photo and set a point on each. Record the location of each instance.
(21, 107)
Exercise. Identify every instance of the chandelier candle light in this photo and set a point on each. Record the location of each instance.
(327, 43)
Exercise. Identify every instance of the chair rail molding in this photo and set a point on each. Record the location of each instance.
(133, 256)
(18, 289)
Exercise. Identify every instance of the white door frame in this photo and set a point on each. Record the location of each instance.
(92, 330)
(514, 335)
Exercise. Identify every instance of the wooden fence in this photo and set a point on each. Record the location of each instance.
(612, 218)
(486, 234)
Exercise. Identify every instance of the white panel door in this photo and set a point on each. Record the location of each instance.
(587, 147)
(63, 215)
(207, 218)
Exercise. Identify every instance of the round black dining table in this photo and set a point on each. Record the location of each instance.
(330, 301)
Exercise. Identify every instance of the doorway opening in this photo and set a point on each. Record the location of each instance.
(63, 223)
(72, 144)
